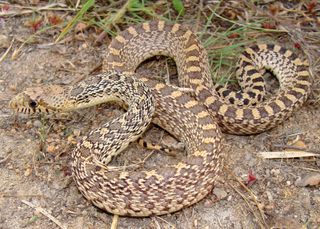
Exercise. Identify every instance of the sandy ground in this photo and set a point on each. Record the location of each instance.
(35, 156)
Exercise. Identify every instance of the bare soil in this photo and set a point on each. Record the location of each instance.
(35, 156)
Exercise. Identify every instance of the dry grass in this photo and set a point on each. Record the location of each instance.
(226, 28)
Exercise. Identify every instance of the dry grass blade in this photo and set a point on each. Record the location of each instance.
(6, 158)
(114, 19)
(287, 154)
(6, 52)
(242, 25)
(22, 10)
(250, 207)
(45, 213)
(79, 15)
(253, 197)
(17, 51)
(115, 221)
(307, 169)
(8, 195)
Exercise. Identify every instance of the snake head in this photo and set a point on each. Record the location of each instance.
(36, 100)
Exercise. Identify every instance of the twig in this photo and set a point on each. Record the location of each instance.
(299, 148)
(6, 158)
(167, 77)
(123, 168)
(308, 169)
(6, 195)
(45, 213)
(248, 204)
(158, 226)
(250, 192)
(286, 154)
(77, 4)
(17, 51)
(200, 7)
(115, 221)
(165, 221)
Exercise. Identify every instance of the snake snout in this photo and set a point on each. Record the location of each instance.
(21, 103)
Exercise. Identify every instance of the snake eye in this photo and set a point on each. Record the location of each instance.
(33, 104)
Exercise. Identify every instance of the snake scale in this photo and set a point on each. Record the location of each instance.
(192, 117)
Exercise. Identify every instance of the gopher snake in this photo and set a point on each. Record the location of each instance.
(135, 44)
(172, 187)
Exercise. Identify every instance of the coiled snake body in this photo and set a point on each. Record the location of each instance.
(192, 120)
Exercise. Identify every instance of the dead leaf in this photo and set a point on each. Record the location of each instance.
(80, 27)
(51, 149)
(299, 143)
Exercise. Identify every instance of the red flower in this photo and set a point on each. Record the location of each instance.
(251, 178)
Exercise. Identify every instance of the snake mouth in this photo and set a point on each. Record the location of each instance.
(31, 111)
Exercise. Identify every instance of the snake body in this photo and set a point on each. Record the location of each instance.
(137, 43)
(136, 193)
(191, 117)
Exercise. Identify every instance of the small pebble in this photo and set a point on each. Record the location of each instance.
(71, 140)
(267, 174)
(27, 172)
(51, 149)
(29, 124)
(269, 195)
(209, 203)
(84, 212)
(220, 193)
(76, 132)
(37, 123)
(195, 223)
(269, 207)
(275, 172)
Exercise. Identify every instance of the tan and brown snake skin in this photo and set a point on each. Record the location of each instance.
(135, 44)
(194, 121)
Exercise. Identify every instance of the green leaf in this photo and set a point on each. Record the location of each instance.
(178, 6)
